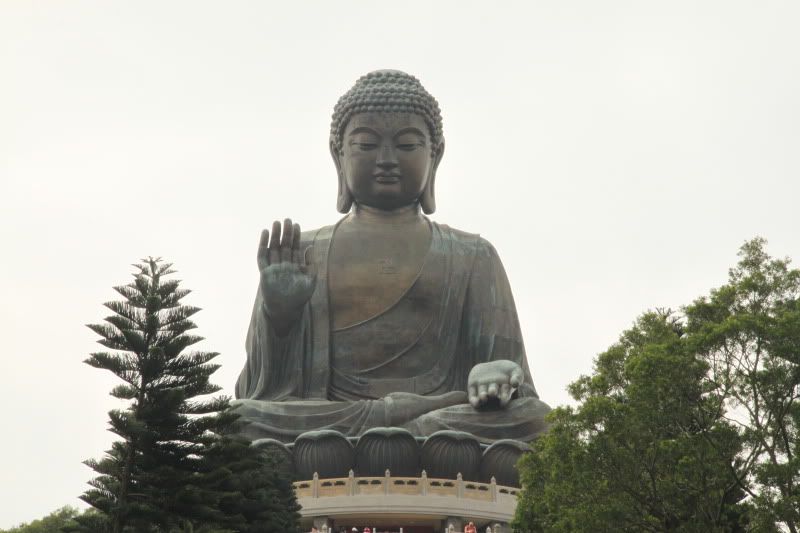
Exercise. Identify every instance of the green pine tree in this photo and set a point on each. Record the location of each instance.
(176, 468)
(258, 496)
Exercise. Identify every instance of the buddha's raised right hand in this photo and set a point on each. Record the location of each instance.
(286, 284)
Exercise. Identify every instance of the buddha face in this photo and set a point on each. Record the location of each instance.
(386, 159)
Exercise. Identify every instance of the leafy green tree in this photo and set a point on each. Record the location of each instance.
(176, 468)
(689, 423)
(49, 524)
(748, 333)
(647, 449)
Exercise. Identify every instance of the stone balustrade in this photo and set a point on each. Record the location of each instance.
(401, 495)
(410, 486)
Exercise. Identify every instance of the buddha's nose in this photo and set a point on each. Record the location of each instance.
(386, 158)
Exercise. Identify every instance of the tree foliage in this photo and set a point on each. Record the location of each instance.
(748, 333)
(646, 449)
(49, 524)
(688, 423)
(176, 467)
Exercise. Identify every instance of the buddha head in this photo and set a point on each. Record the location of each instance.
(386, 142)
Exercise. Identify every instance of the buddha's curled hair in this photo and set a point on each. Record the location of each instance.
(387, 91)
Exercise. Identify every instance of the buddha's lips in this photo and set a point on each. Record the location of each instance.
(387, 178)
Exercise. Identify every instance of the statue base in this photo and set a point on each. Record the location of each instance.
(388, 480)
(415, 504)
(448, 455)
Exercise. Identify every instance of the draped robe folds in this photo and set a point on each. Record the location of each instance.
(405, 367)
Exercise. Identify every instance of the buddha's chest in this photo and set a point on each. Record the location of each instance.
(368, 271)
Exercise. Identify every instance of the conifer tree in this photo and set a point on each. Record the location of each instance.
(175, 467)
(257, 496)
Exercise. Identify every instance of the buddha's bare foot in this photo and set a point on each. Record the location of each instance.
(402, 407)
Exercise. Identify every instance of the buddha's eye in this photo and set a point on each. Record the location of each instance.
(408, 147)
(364, 146)
(408, 141)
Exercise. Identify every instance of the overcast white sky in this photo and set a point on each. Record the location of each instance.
(616, 154)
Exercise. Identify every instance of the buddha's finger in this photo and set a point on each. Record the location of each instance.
(275, 243)
(482, 392)
(473, 396)
(516, 378)
(287, 237)
(492, 390)
(296, 255)
(263, 250)
(505, 393)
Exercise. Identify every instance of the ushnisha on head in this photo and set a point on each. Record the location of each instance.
(386, 141)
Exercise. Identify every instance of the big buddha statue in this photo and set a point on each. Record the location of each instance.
(386, 319)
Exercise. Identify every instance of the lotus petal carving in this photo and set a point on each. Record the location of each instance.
(447, 453)
(325, 452)
(500, 460)
(394, 449)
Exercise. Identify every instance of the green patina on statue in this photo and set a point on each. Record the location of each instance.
(385, 318)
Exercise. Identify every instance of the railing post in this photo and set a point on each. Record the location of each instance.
(351, 480)
(386, 477)
(455, 524)
(459, 486)
(424, 481)
(315, 486)
(493, 489)
(323, 523)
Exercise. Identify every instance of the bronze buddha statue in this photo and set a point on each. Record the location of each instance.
(387, 318)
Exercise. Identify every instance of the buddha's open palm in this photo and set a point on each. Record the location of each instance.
(286, 284)
(493, 380)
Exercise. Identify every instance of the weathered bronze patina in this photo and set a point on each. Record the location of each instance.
(385, 319)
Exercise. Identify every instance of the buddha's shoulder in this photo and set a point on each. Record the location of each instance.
(471, 241)
(309, 237)
(463, 240)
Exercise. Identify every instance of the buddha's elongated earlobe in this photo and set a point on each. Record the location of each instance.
(428, 198)
(344, 198)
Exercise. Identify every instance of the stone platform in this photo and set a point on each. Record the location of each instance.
(414, 503)
(388, 479)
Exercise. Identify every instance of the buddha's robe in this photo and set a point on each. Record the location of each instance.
(405, 367)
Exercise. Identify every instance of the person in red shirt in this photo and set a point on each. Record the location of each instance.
(470, 528)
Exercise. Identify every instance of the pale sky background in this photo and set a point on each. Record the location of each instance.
(617, 154)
